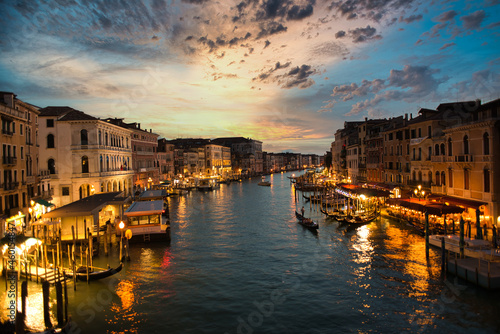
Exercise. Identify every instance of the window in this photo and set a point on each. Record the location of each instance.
(450, 178)
(20, 129)
(442, 149)
(443, 178)
(429, 131)
(438, 179)
(22, 153)
(429, 153)
(50, 141)
(13, 127)
(486, 177)
(486, 144)
(466, 179)
(100, 137)
(50, 123)
(84, 137)
(419, 153)
(436, 149)
(466, 144)
(85, 164)
(419, 132)
(51, 166)
(450, 151)
(65, 191)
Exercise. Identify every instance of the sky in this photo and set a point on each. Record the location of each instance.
(286, 72)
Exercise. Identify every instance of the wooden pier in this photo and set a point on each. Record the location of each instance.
(480, 272)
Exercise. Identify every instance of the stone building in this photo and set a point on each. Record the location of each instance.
(83, 155)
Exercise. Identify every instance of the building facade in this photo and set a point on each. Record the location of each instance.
(19, 169)
(83, 155)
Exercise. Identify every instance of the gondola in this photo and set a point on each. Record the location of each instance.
(362, 220)
(306, 222)
(81, 273)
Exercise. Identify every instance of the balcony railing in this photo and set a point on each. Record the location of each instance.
(7, 132)
(464, 158)
(415, 183)
(9, 160)
(10, 185)
(483, 158)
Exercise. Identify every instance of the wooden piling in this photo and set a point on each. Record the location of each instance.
(87, 264)
(126, 245)
(46, 310)
(24, 295)
(65, 286)
(426, 234)
(106, 240)
(59, 301)
(443, 256)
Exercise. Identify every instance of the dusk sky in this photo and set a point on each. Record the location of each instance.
(288, 73)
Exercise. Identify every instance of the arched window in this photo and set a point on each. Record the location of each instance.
(84, 138)
(450, 146)
(442, 149)
(85, 164)
(51, 166)
(429, 176)
(438, 179)
(466, 144)
(100, 137)
(100, 164)
(50, 141)
(450, 178)
(486, 144)
(486, 177)
(436, 149)
(443, 178)
(106, 139)
(107, 163)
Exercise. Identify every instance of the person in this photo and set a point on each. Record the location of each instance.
(302, 210)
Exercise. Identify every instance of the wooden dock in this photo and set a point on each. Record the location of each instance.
(480, 272)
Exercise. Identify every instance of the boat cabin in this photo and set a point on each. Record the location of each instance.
(147, 220)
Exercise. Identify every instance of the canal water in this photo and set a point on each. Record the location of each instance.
(239, 263)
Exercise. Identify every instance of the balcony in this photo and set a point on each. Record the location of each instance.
(483, 158)
(10, 186)
(11, 161)
(440, 158)
(464, 158)
(424, 184)
(7, 132)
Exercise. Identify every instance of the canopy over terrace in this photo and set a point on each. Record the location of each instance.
(431, 207)
(352, 190)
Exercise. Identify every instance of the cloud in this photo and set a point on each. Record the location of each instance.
(340, 34)
(447, 45)
(483, 84)
(360, 35)
(446, 16)
(410, 84)
(411, 18)
(473, 21)
(270, 28)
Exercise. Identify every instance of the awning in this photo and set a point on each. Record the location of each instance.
(466, 203)
(432, 208)
(43, 202)
(144, 208)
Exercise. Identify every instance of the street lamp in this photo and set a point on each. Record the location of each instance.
(121, 225)
(419, 192)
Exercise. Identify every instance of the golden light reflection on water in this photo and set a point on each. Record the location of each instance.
(125, 290)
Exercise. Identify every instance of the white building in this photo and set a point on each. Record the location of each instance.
(83, 155)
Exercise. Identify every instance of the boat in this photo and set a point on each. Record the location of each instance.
(146, 221)
(265, 183)
(207, 184)
(361, 219)
(81, 272)
(306, 222)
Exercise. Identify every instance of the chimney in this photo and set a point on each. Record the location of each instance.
(411, 116)
(366, 119)
(8, 99)
(139, 126)
(406, 117)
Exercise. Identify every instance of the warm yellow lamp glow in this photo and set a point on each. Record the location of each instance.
(121, 225)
